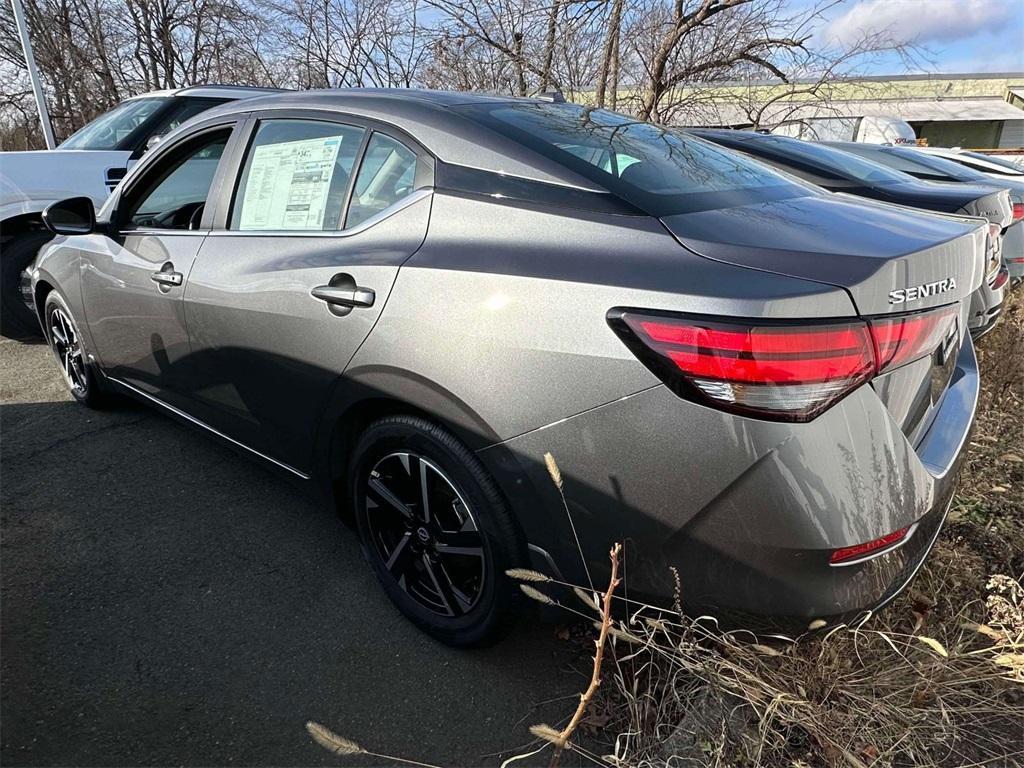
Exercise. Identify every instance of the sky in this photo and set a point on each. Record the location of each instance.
(959, 35)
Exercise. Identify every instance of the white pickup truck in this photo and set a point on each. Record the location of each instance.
(90, 162)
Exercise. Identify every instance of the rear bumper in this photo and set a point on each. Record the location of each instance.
(747, 511)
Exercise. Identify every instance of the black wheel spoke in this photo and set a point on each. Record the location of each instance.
(401, 557)
(443, 585)
(383, 497)
(460, 543)
(418, 473)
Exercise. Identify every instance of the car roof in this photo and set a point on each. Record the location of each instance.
(211, 91)
(427, 116)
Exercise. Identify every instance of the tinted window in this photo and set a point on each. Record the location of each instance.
(917, 163)
(1001, 162)
(826, 160)
(189, 108)
(663, 172)
(173, 193)
(296, 176)
(108, 130)
(386, 175)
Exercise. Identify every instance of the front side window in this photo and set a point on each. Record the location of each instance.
(386, 175)
(110, 130)
(173, 194)
(658, 170)
(296, 176)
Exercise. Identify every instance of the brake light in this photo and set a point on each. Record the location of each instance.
(858, 552)
(993, 247)
(1018, 211)
(901, 339)
(786, 371)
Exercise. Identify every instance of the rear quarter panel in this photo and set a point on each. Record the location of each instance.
(503, 309)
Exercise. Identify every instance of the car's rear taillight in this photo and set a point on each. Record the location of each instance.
(786, 371)
(901, 339)
(1018, 211)
(993, 249)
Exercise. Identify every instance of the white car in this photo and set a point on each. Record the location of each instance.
(89, 163)
(991, 165)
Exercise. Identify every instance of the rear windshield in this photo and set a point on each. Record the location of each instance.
(659, 171)
(828, 160)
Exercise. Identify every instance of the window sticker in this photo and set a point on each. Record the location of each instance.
(288, 184)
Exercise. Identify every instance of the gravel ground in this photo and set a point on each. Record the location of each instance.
(167, 601)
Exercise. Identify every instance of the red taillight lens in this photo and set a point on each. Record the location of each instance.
(904, 338)
(783, 371)
(847, 555)
(1018, 211)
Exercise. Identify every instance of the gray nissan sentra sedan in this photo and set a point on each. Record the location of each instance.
(407, 298)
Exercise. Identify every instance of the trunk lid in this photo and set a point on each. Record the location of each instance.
(889, 259)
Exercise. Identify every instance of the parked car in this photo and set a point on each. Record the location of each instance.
(90, 162)
(839, 171)
(872, 129)
(930, 167)
(996, 166)
(408, 299)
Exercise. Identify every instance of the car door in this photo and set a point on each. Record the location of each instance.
(283, 292)
(133, 285)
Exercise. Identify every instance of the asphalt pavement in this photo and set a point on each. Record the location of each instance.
(168, 601)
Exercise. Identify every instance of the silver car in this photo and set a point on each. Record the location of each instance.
(406, 299)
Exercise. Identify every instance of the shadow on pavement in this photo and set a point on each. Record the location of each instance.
(167, 601)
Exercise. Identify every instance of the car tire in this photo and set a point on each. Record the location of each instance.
(458, 594)
(17, 319)
(68, 347)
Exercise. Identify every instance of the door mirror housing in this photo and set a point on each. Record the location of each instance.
(74, 216)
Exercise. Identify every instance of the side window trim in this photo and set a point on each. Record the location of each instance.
(125, 198)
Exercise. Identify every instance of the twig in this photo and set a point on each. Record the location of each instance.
(595, 678)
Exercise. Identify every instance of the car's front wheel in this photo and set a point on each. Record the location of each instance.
(69, 350)
(435, 530)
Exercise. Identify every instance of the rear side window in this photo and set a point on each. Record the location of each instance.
(658, 170)
(386, 175)
(296, 176)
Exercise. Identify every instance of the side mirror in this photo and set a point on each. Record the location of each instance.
(74, 216)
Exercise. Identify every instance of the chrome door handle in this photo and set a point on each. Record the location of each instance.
(167, 278)
(344, 296)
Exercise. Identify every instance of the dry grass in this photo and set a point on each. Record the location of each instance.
(936, 679)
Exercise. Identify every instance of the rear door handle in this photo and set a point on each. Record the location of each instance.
(345, 296)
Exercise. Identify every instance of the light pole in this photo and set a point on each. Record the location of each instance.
(33, 73)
